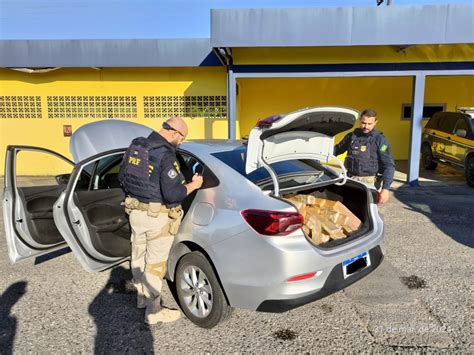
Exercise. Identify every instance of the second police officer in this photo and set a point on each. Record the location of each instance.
(369, 158)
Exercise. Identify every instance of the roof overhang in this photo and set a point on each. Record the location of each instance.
(343, 26)
(108, 53)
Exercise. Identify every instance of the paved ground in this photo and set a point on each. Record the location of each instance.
(56, 307)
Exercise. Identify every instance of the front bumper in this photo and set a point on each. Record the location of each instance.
(334, 282)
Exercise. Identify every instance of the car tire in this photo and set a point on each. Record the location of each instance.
(427, 158)
(470, 171)
(199, 292)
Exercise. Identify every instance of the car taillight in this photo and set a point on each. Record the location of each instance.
(273, 222)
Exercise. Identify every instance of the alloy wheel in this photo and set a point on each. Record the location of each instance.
(197, 291)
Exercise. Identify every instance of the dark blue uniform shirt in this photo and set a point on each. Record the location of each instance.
(367, 155)
(165, 172)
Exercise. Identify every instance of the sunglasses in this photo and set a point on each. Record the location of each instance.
(169, 128)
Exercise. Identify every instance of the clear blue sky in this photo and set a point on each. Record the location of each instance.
(121, 19)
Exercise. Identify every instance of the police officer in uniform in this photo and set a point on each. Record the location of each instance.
(155, 214)
(369, 158)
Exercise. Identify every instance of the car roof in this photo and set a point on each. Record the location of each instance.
(102, 136)
(210, 146)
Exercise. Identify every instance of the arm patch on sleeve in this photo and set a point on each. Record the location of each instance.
(172, 173)
(383, 148)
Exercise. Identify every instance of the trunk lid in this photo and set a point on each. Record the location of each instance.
(98, 137)
(304, 134)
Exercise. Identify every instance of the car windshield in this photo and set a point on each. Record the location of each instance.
(289, 172)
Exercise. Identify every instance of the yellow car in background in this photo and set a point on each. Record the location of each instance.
(448, 138)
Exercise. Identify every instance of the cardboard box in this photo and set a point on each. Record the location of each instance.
(325, 219)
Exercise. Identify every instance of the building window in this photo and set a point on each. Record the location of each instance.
(92, 107)
(20, 107)
(185, 106)
(428, 110)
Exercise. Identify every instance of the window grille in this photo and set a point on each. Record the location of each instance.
(20, 107)
(92, 107)
(185, 106)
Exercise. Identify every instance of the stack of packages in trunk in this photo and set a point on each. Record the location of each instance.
(324, 219)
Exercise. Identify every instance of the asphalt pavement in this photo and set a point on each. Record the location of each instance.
(420, 298)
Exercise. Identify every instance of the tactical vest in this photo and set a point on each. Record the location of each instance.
(135, 170)
(362, 157)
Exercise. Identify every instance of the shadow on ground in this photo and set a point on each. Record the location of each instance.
(449, 207)
(120, 326)
(442, 175)
(8, 322)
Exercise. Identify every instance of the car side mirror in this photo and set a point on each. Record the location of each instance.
(62, 179)
(461, 133)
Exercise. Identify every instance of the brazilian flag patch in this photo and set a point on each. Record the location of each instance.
(383, 148)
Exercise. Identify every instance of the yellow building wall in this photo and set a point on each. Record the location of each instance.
(455, 91)
(47, 132)
(259, 98)
(354, 54)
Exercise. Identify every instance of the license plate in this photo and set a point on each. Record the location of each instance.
(354, 265)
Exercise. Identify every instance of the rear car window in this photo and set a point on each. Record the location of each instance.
(236, 160)
(433, 123)
(461, 124)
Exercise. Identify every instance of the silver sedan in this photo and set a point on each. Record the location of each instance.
(241, 242)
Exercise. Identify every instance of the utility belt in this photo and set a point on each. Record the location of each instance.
(375, 181)
(153, 209)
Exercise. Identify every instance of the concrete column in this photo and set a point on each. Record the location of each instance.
(231, 103)
(416, 129)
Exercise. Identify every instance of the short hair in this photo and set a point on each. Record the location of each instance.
(368, 112)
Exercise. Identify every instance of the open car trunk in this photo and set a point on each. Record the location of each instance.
(354, 197)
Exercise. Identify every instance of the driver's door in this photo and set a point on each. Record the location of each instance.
(28, 203)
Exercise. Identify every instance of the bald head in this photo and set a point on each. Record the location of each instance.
(174, 130)
(179, 124)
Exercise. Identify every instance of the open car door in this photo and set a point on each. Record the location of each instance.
(28, 209)
(89, 213)
(76, 203)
